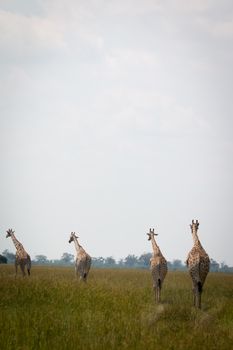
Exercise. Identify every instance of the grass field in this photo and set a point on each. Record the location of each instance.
(114, 310)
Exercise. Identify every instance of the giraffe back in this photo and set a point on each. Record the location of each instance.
(198, 263)
(158, 265)
(21, 253)
(83, 263)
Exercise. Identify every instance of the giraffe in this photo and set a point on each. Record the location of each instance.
(83, 260)
(158, 266)
(198, 263)
(22, 258)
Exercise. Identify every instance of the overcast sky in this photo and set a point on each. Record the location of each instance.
(116, 116)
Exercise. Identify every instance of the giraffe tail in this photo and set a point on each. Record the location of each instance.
(199, 279)
(159, 283)
(29, 264)
(199, 286)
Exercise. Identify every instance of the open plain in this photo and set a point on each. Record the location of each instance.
(114, 310)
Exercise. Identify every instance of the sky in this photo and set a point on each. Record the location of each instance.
(116, 116)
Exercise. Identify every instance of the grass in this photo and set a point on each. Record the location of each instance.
(115, 310)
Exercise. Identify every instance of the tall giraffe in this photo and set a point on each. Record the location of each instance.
(158, 265)
(83, 260)
(198, 263)
(22, 258)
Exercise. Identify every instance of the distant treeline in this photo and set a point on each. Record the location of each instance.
(130, 261)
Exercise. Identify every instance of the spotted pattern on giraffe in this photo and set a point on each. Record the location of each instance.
(83, 260)
(158, 266)
(22, 258)
(198, 263)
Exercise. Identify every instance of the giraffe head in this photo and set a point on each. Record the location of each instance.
(151, 234)
(9, 232)
(194, 226)
(72, 236)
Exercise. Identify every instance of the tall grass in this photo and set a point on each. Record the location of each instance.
(114, 310)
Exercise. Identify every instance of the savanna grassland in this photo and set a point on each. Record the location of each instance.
(114, 310)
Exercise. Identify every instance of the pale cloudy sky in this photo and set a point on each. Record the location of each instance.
(116, 116)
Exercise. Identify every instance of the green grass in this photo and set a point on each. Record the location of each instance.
(114, 310)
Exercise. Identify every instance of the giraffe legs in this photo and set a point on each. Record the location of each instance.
(76, 271)
(16, 268)
(157, 291)
(82, 270)
(28, 265)
(197, 296)
(22, 267)
(194, 298)
(158, 294)
(83, 278)
(199, 300)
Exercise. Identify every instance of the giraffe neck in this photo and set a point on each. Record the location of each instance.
(77, 245)
(17, 244)
(196, 241)
(155, 247)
